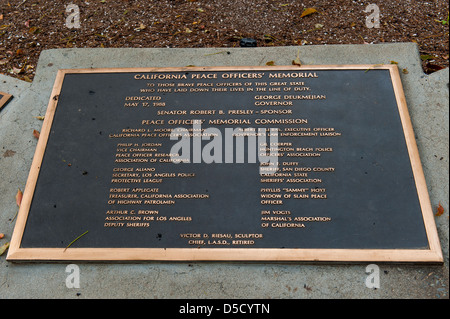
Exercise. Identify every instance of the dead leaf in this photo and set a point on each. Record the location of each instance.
(34, 30)
(4, 248)
(440, 210)
(76, 239)
(40, 118)
(19, 197)
(425, 57)
(141, 27)
(394, 62)
(188, 30)
(14, 216)
(297, 59)
(2, 235)
(307, 12)
(36, 134)
(270, 63)
(268, 38)
(430, 68)
(17, 70)
(405, 71)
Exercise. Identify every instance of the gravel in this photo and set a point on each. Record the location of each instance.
(29, 26)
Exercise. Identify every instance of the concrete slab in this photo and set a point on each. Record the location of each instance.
(427, 98)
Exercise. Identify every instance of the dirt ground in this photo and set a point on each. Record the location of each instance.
(29, 26)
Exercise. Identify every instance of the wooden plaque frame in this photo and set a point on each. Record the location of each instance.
(5, 98)
(431, 255)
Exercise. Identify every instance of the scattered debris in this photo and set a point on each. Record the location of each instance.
(429, 68)
(439, 210)
(141, 27)
(19, 196)
(297, 59)
(307, 12)
(34, 26)
(9, 153)
(76, 239)
(221, 52)
(36, 134)
(425, 57)
(308, 288)
(443, 22)
(247, 42)
(373, 66)
(4, 248)
(15, 215)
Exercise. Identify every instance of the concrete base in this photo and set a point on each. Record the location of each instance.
(427, 98)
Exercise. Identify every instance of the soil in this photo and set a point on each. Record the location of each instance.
(29, 26)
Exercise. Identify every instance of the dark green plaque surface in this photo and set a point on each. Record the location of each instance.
(349, 185)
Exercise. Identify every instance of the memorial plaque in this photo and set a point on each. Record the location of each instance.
(4, 99)
(312, 163)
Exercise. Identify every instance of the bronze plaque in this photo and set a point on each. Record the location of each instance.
(4, 99)
(312, 163)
